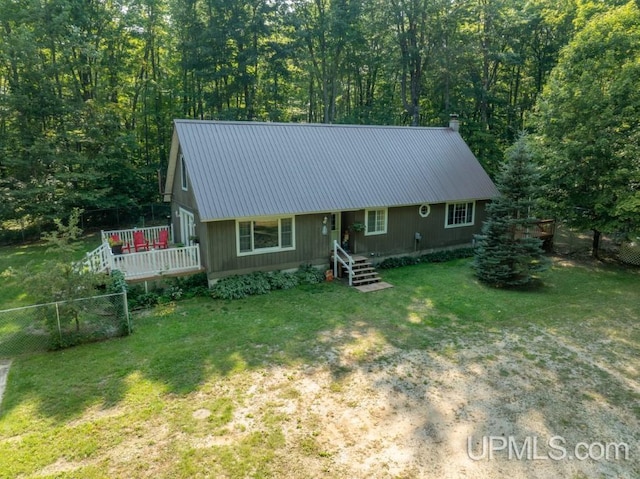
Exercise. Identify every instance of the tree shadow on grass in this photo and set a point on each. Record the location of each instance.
(179, 349)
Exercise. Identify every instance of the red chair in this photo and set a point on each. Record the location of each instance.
(140, 243)
(163, 240)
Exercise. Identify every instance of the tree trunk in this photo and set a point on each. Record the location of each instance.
(595, 246)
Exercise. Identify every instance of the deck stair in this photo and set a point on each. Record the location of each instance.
(364, 272)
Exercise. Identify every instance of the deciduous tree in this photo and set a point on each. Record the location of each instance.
(589, 123)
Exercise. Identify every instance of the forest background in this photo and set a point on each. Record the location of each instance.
(89, 88)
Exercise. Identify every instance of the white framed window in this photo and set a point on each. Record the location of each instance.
(183, 173)
(460, 214)
(375, 221)
(424, 210)
(265, 235)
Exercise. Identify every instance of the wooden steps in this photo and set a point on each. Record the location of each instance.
(364, 272)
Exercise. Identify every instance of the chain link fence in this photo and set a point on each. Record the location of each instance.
(63, 324)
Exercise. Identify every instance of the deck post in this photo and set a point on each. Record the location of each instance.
(335, 258)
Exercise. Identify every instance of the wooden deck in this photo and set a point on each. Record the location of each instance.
(154, 264)
(145, 265)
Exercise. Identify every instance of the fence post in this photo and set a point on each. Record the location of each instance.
(126, 309)
(59, 327)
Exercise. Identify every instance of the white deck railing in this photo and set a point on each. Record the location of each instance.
(337, 252)
(151, 233)
(157, 262)
(145, 264)
(97, 260)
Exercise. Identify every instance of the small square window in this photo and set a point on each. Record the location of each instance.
(460, 214)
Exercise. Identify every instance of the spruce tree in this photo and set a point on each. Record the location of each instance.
(506, 255)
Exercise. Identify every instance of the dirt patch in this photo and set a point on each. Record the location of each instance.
(424, 414)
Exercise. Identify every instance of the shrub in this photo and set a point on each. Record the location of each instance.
(237, 287)
(307, 274)
(117, 284)
(436, 257)
(280, 280)
(398, 261)
(139, 299)
(193, 285)
(172, 293)
(447, 255)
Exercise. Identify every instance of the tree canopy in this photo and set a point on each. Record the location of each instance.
(88, 89)
(589, 121)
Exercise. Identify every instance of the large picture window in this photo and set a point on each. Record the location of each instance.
(460, 214)
(375, 221)
(265, 235)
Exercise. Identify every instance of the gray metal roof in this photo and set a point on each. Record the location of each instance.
(245, 169)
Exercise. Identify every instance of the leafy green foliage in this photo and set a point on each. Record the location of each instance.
(435, 257)
(61, 278)
(308, 274)
(589, 123)
(90, 89)
(241, 286)
(174, 289)
(141, 299)
(193, 285)
(506, 254)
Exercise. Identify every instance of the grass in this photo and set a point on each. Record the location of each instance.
(15, 259)
(128, 407)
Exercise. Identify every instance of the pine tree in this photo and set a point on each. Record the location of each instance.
(506, 255)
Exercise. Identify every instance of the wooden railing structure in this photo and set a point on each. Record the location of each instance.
(344, 258)
(150, 233)
(143, 264)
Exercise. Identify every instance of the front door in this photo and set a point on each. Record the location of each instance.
(335, 228)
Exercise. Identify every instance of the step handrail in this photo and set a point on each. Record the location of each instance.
(98, 260)
(337, 257)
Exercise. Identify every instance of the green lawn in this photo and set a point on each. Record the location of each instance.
(208, 388)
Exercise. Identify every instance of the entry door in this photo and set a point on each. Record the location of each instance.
(187, 226)
(335, 228)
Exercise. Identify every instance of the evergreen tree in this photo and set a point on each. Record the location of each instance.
(506, 254)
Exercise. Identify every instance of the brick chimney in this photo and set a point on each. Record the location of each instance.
(454, 124)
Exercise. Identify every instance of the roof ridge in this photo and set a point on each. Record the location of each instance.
(306, 124)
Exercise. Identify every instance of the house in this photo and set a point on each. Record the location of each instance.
(273, 196)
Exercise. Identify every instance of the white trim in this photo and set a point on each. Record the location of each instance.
(277, 249)
(428, 208)
(459, 225)
(187, 226)
(183, 174)
(366, 221)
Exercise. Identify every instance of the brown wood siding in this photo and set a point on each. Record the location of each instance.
(186, 200)
(402, 226)
(311, 247)
(219, 249)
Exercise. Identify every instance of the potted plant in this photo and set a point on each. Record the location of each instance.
(116, 244)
